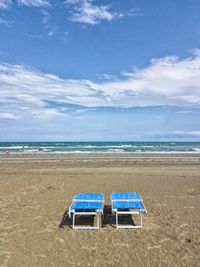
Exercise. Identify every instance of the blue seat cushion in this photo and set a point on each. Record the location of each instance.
(128, 205)
(89, 196)
(86, 205)
(125, 195)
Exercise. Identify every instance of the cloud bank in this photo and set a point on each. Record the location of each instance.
(85, 11)
(89, 12)
(166, 81)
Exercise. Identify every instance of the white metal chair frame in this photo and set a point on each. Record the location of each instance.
(98, 212)
(133, 211)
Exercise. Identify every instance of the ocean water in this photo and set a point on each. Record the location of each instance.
(93, 147)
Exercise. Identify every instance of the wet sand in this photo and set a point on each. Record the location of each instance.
(35, 195)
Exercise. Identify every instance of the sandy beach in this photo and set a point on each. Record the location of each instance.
(36, 193)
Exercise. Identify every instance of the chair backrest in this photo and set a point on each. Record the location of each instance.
(88, 201)
(89, 197)
(127, 200)
(125, 196)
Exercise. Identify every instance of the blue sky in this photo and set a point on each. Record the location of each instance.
(99, 70)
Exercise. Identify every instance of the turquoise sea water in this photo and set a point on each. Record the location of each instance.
(92, 147)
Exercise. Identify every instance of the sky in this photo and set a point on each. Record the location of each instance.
(97, 70)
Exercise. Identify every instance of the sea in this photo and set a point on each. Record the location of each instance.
(98, 147)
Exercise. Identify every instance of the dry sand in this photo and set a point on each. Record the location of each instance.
(35, 194)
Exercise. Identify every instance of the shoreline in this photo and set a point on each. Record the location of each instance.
(99, 155)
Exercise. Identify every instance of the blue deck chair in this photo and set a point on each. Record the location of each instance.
(87, 204)
(127, 203)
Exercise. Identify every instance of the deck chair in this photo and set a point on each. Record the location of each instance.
(127, 203)
(86, 204)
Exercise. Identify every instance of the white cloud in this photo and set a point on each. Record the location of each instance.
(166, 81)
(85, 11)
(32, 3)
(5, 3)
(27, 92)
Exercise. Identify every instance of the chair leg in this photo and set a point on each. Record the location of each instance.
(69, 212)
(73, 221)
(97, 226)
(140, 216)
(98, 220)
(116, 220)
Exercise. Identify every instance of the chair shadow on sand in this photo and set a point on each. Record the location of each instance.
(80, 220)
(110, 219)
(107, 219)
(66, 221)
